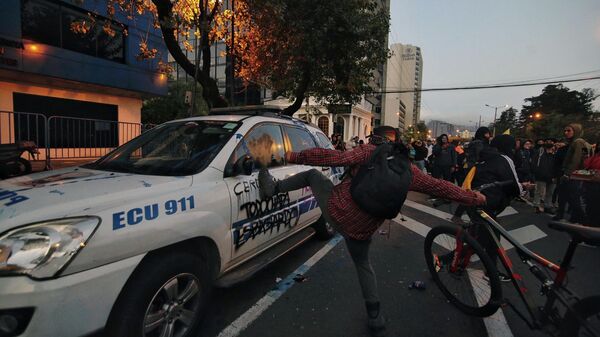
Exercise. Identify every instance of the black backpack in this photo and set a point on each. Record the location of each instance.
(381, 185)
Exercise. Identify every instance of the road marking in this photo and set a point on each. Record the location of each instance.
(523, 235)
(496, 324)
(242, 322)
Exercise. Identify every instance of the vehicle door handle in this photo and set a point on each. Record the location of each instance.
(325, 168)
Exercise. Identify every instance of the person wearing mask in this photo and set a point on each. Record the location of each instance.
(524, 155)
(341, 211)
(544, 168)
(479, 143)
(570, 191)
(496, 165)
(444, 158)
(420, 154)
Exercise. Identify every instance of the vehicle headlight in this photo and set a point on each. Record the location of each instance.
(42, 249)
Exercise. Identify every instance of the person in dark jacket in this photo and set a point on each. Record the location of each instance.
(523, 161)
(444, 158)
(472, 152)
(420, 154)
(496, 165)
(544, 171)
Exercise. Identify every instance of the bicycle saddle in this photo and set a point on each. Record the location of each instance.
(589, 235)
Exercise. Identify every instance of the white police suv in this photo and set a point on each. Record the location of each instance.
(133, 242)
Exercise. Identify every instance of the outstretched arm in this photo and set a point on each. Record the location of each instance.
(327, 157)
(441, 188)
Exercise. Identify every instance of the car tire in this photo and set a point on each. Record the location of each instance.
(160, 295)
(323, 230)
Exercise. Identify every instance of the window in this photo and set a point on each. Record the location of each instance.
(49, 22)
(299, 139)
(264, 143)
(325, 142)
(76, 124)
(323, 124)
(171, 149)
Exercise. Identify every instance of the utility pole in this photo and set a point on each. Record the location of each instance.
(495, 114)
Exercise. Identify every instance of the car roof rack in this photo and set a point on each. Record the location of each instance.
(254, 110)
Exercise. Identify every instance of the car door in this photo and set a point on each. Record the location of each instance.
(258, 223)
(298, 139)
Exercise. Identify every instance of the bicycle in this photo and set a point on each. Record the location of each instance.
(462, 258)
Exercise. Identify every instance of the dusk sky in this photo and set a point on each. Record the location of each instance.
(486, 42)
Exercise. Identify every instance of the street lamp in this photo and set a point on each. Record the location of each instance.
(495, 113)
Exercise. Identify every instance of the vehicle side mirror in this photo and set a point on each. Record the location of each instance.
(244, 165)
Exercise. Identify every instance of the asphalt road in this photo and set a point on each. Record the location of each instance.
(328, 301)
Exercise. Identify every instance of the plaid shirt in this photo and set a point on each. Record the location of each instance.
(352, 221)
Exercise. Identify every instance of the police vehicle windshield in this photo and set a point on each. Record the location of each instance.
(171, 149)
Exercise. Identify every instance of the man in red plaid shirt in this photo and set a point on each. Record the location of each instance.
(340, 210)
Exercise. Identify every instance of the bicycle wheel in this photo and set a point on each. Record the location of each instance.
(463, 271)
(588, 311)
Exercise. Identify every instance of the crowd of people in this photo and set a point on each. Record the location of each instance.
(549, 164)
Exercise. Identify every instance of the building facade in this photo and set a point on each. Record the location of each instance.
(404, 72)
(48, 70)
(439, 128)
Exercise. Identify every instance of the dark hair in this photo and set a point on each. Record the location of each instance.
(385, 133)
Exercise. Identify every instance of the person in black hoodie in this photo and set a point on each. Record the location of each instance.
(495, 165)
(544, 171)
(472, 151)
(444, 158)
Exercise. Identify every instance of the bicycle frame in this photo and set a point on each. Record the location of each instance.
(553, 289)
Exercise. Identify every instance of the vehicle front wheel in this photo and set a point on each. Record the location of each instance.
(323, 229)
(166, 296)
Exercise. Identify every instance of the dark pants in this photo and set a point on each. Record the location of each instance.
(321, 188)
(483, 234)
(443, 172)
(570, 193)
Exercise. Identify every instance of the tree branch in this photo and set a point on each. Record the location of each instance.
(300, 94)
(210, 91)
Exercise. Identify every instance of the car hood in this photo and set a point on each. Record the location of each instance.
(75, 191)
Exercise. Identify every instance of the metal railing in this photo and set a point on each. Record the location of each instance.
(66, 137)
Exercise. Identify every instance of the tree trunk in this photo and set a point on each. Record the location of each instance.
(210, 90)
(300, 94)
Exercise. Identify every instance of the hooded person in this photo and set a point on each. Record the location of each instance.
(341, 211)
(569, 191)
(495, 165)
(444, 158)
(472, 152)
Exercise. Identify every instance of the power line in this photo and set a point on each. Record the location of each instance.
(491, 86)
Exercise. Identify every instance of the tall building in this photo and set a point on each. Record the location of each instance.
(378, 84)
(439, 128)
(404, 71)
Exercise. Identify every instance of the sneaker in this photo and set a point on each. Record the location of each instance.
(376, 321)
(587, 245)
(539, 209)
(504, 278)
(266, 183)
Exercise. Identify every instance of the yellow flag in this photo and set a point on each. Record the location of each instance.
(507, 132)
(469, 178)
